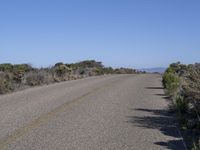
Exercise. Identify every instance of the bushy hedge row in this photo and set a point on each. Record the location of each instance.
(182, 84)
(14, 77)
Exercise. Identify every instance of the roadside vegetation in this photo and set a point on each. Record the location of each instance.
(21, 76)
(182, 85)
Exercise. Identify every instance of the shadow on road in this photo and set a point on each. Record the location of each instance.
(160, 120)
(154, 88)
(162, 95)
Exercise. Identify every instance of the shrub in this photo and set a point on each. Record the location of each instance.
(191, 88)
(184, 82)
(18, 76)
(6, 67)
(171, 83)
(61, 70)
(19, 71)
(170, 70)
(99, 71)
(34, 78)
(181, 105)
(22, 68)
(108, 70)
(90, 64)
(72, 66)
(58, 64)
(4, 83)
(124, 71)
(81, 71)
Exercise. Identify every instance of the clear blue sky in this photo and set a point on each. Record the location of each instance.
(129, 33)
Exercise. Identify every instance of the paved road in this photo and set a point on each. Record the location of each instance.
(116, 112)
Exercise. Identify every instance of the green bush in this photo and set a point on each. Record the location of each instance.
(170, 70)
(90, 64)
(22, 68)
(181, 105)
(6, 67)
(171, 83)
(61, 70)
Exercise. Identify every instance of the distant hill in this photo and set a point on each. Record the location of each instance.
(152, 70)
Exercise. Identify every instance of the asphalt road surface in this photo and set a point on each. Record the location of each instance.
(113, 112)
